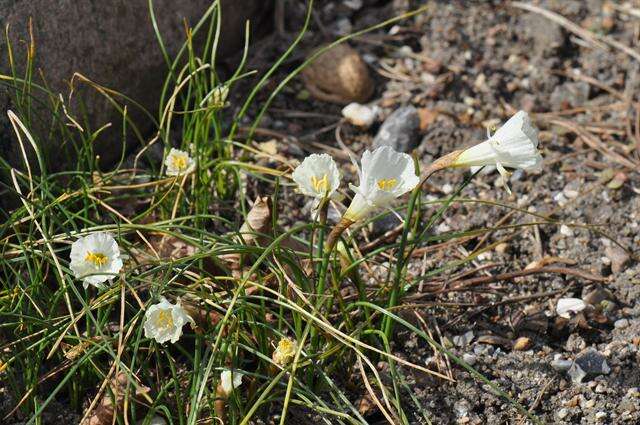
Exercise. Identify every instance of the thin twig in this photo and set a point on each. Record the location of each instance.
(476, 281)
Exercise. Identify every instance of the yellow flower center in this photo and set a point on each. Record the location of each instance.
(286, 347)
(98, 259)
(165, 319)
(320, 185)
(285, 351)
(179, 162)
(387, 184)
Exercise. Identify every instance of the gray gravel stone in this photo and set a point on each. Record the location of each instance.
(401, 130)
(469, 358)
(587, 364)
(560, 364)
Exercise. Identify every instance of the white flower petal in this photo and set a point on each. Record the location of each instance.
(178, 162)
(385, 175)
(227, 383)
(164, 321)
(95, 258)
(317, 176)
(514, 145)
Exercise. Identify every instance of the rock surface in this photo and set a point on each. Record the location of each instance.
(588, 363)
(111, 42)
(340, 76)
(401, 130)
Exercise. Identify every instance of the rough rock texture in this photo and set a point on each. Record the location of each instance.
(401, 130)
(113, 43)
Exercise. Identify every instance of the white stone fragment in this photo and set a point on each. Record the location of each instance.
(360, 115)
(568, 306)
(566, 231)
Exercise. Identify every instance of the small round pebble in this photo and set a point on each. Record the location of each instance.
(469, 358)
(621, 323)
(562, 413)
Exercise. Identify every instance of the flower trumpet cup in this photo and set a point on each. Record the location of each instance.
(514, 145)
(384, 176)
(317, 176)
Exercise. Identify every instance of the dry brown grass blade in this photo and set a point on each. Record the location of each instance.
(372, 393)
(476, 281)
(105, 413)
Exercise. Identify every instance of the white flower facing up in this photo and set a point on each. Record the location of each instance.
(514, 145)
(385, 175)
(95, 258)
(179, 162)
(164, 321)
(317, 176)
(229, 381)
(285, 351)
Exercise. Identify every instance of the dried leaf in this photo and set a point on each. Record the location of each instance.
(80, 348)
(427, 117)
(270, 147)
(258, 220)
(106, 409)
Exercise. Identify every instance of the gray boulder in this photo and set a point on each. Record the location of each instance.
(111, 42)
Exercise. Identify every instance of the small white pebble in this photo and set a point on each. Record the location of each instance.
(485, 256)
(562, 413)
(447, 189)
(560, 364)
(568, 306)
(359, 115)
(600, 416)
(443, 228)
(566, 230)
(560, 199)
(621, 324)
(394, 30)
(570, 193)
(469, 358)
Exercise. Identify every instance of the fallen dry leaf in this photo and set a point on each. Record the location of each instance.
(106, 409)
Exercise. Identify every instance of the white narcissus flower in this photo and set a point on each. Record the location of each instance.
(229, 381)
(384, 175)
(179, 162)
(285, 351)
(317, 176)
(95, 258)
(514, 145)
(164, 321)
